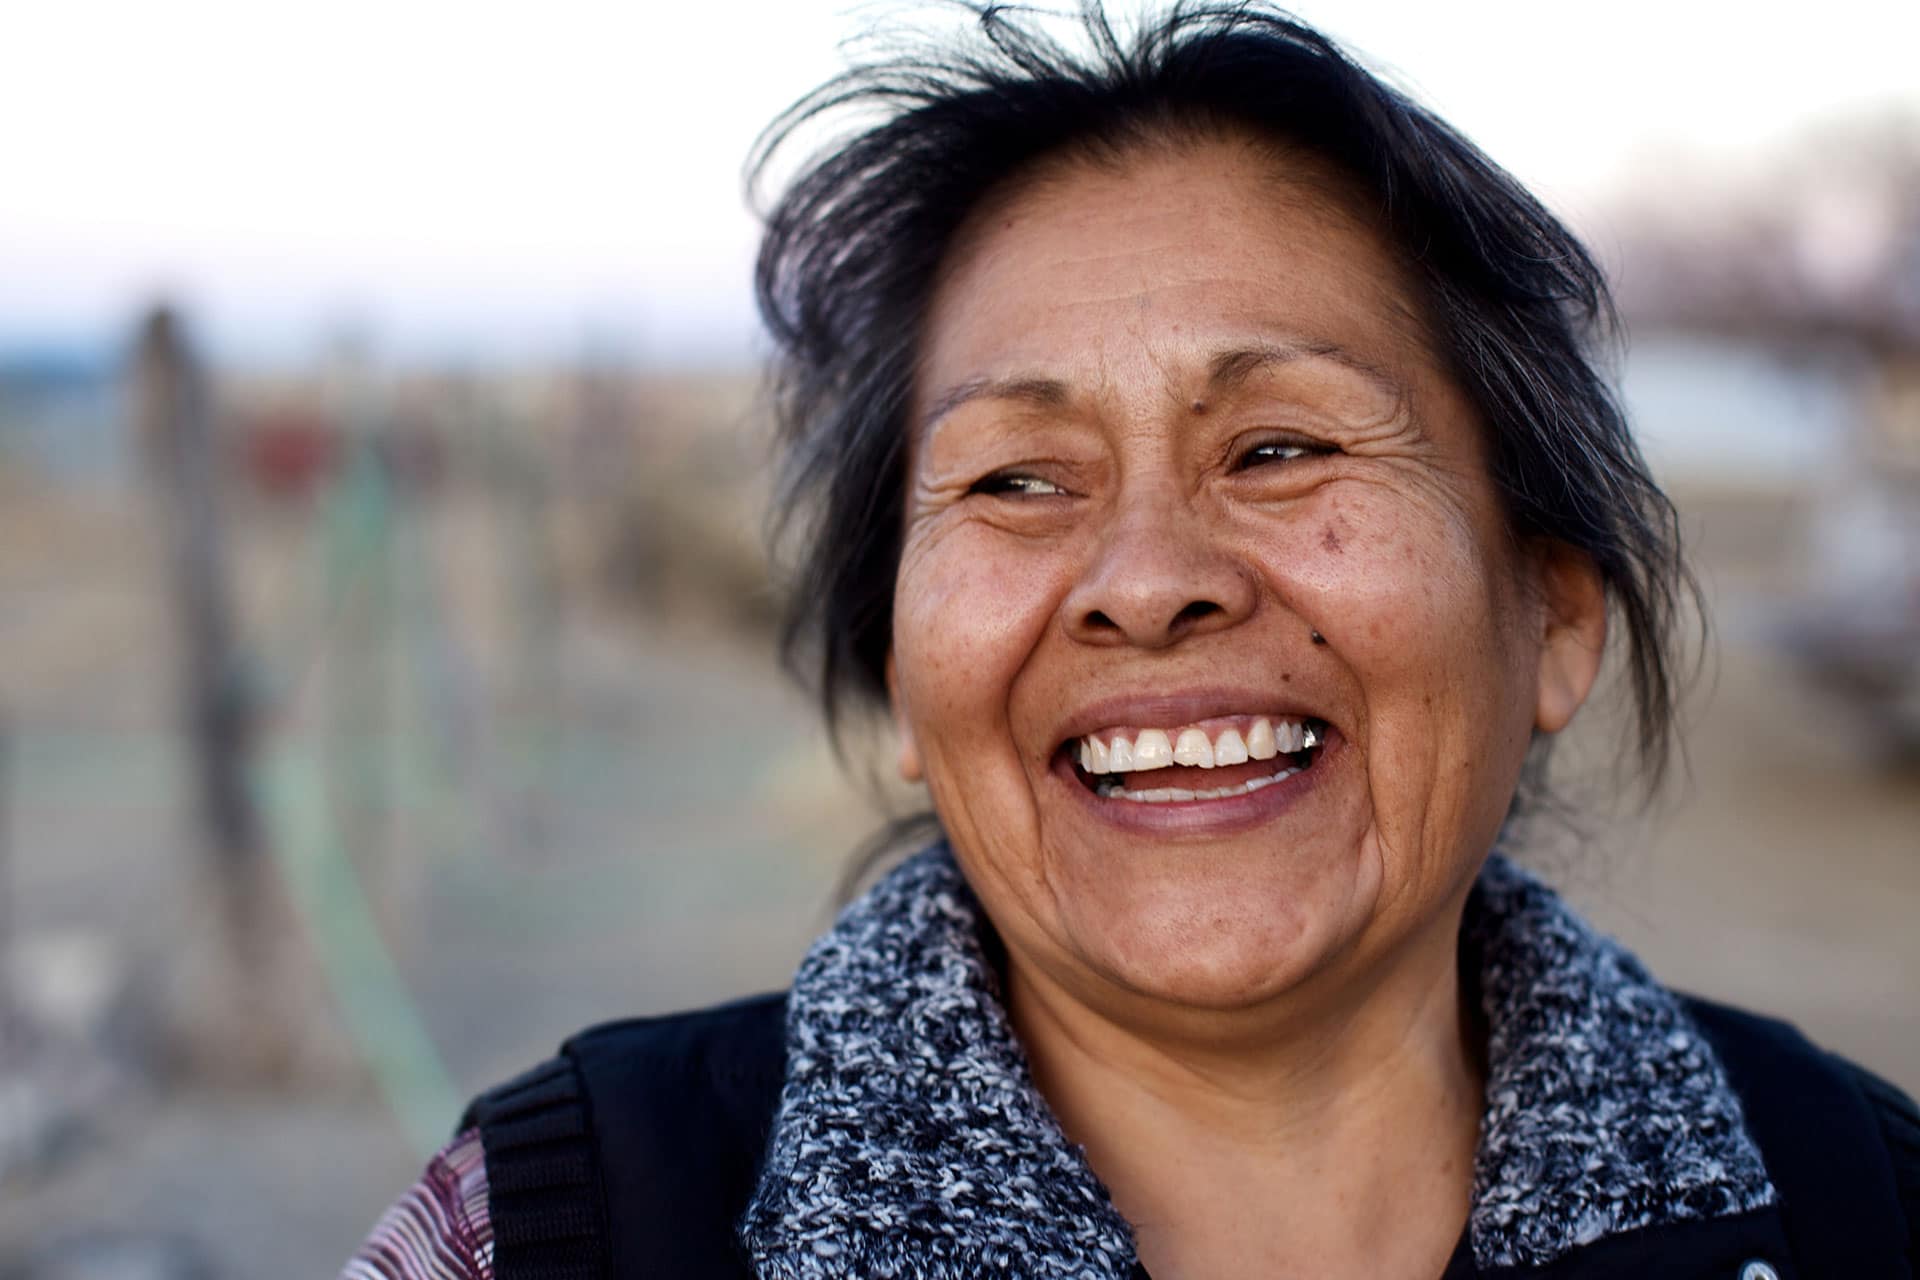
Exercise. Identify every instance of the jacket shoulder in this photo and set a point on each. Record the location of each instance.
(1841, 1144)
(1899, 1121)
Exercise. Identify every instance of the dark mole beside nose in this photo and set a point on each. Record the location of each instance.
(1198, 407)
(1318, 638)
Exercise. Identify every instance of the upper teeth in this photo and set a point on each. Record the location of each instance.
(1115, 752)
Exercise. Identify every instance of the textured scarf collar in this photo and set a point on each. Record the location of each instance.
(911, 1141)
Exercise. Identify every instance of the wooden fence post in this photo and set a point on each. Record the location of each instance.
(177, 431)
(238, 991)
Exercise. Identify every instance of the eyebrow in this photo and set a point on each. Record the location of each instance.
(1225, 371)
(1044, 393)
(1230, 368)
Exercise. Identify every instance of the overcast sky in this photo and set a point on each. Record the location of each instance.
(489, 178)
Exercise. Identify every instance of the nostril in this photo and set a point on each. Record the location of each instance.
(1144, 624)
(1194, 612)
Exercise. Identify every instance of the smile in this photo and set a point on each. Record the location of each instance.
(1211, 760)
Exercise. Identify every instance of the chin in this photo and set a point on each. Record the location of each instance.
(1213, 932)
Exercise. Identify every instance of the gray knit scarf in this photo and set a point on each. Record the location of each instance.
(911, 1141)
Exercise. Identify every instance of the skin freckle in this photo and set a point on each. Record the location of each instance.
(1331, 540)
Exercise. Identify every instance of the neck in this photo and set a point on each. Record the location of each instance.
(1330, 1136)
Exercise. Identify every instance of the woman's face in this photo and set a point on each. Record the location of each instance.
(1184, 464)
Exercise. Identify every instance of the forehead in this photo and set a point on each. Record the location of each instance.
(1166, 254)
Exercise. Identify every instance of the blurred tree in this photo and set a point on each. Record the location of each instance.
(1820, 246)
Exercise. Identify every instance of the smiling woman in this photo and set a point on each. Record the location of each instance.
(1207, 472)
(1246, 442)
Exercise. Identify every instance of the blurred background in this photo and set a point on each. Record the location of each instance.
(386, 673)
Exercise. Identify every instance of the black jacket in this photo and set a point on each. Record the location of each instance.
(635, 1151)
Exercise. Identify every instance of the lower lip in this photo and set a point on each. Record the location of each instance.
(1227, 815)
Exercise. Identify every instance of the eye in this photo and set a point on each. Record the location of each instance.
(1273, 451)
(1016, 484)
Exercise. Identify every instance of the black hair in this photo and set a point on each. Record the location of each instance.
(1519, 309)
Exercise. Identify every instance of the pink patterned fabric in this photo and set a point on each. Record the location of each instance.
(438, 1230)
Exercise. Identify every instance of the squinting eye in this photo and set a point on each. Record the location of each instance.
(1015, 483)
(1277, 451)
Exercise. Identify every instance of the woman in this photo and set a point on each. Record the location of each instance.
(1205, 466)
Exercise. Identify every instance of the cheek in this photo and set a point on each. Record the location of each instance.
(1415, 602)
(967, 613)
(1414, 613)
(1383, 573)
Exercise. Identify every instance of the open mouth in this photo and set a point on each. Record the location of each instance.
(1214, 759)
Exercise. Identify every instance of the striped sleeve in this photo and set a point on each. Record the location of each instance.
(438, 1230)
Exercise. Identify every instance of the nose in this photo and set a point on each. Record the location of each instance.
(1160, 574)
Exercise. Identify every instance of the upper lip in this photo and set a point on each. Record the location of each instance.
(1168, 710)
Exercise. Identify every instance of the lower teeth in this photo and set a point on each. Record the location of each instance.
(1168, 795)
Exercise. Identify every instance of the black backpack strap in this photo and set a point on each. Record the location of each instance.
(1823, 1144)
(683, 1107)
(544, 1196)
(634, 1152)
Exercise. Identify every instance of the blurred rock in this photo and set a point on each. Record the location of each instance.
(68, 1050)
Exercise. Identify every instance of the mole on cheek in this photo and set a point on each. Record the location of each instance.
(1331, 540)
(1199, 408)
